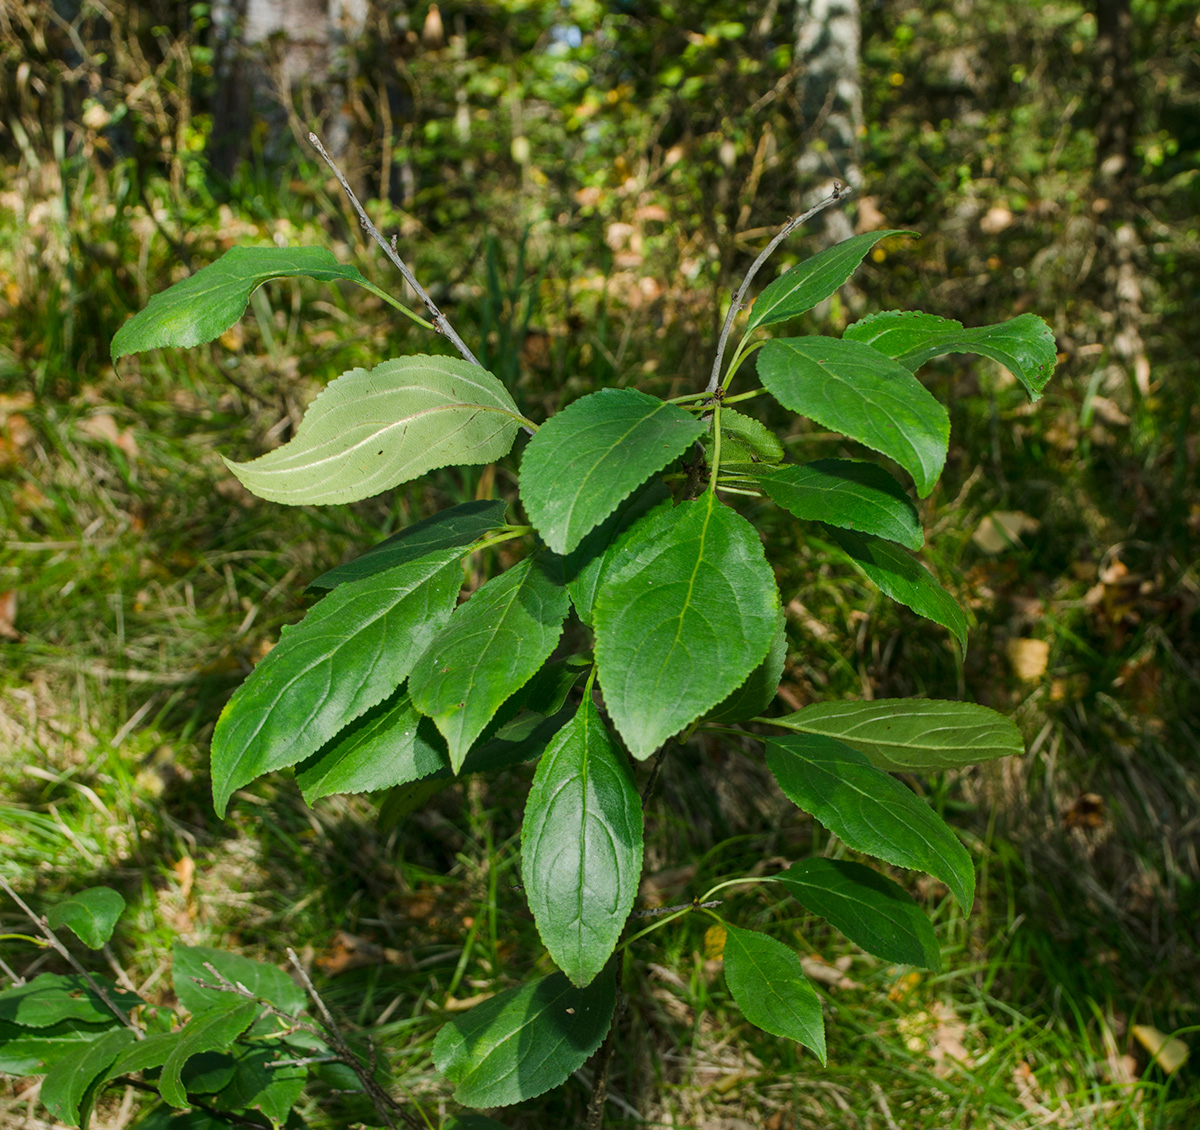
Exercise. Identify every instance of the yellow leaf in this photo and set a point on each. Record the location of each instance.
(714, 942)
(1029, 658)
(1169, 1052)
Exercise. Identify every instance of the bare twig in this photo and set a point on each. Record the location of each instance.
(52, 938)
(840, 192)
(440, 322)
(659, 911)
(595, 1111)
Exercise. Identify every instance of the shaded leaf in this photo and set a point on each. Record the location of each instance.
(1024, 345)
(913, 735)
(853, 389)
(458, 525)
(372, 429)
(67, 1085)
(32, 1051)
(52, 997)
(352, 650)
(214, 1030)
(90, 915)
(870, 811)
(871, 910)
(903, 578)
(522, 1042)
(848, 493)
(769, 986)
(763, 444)
(589, 457)
(758, 691)
(815, 279)
(581, 845)
(204, 306)
(683, 620)
(257, 1084)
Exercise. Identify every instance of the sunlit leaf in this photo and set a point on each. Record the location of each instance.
(53, 997)
(265, 981)
(214, 1030)
(90, 915)
(67, 1085)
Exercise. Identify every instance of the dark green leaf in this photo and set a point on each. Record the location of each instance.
(258, 1085)
(902, 577)
(870, 811)
(871, 910)
(214, 1030)
(372, 429)
(913, 735)
(386, 746)
(581, 845)
(204, 306)
(758, 691)
(65, 1090)
(815, 279)
(493, 644)
(1023, 345)
(473, 1122)
(522, 1042)
(163, 1118)
(769, 986)
(683, 620)
(853, 389)
(90, 915)
(458, 526)
(265, 981)
(52, 997)
(586, 568)
(32, 1051)
(587, 458)
(207, 1073)
(762, 443)
(351, 651)
(848, 493)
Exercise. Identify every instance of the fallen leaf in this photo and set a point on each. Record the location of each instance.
(1087, 811)
(8, 616)
(1029, 658)
(1169, 1052)
(102, 427)
(1002, 529)
(714, 942)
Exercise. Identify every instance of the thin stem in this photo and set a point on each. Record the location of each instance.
(595, 1111)
(743, 396)
(744, 350)
(689, 396)
(498, 539)
(379, 292)
(716, 455)
(440, 323)
(62, 950)
(839, 193)
(704, 901)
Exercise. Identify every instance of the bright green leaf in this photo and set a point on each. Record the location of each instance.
(379, 749)
(758, 691)
(589, 457)
(848, 493)
(214, 1030)
(265, 981)
(769, 986)
(66, 1086)
(522, 1042)
(53, 997)
(371, 429)
(815, 279)
(204, 306)
(913, 735)
(492, 645)
(581, 845)
(851, 388)
(352, 650)
(683, 620)
(457, 526)
(870, 811)
(90, 915)
(1024, 345)
(871, 910)
(902, 577)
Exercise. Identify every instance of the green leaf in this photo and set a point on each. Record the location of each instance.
(473, 1122)
(257, 1084)
(214, 1030)
(769, 986)
(853, 389)
(763, 443)
(204, 306)
(758, 691)
(587, 566)
(265, 981)
(89, 915)
(53, 997)
(871, 910)
(65, 1090)
(587, 458)
(386, 746)
(32, 1051)
(848, 493)
(207, 1073)
(581, 846)
(522, 1042)
(457, 526)
(492, 645)
(913, 735)
(815, 279)
(163, 1118)
(352, 650)
(1024, 345)
(371, 429)
(870, 811)
(902, 577)
(683, 620)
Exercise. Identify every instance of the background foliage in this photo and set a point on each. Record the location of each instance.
(579, 184)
